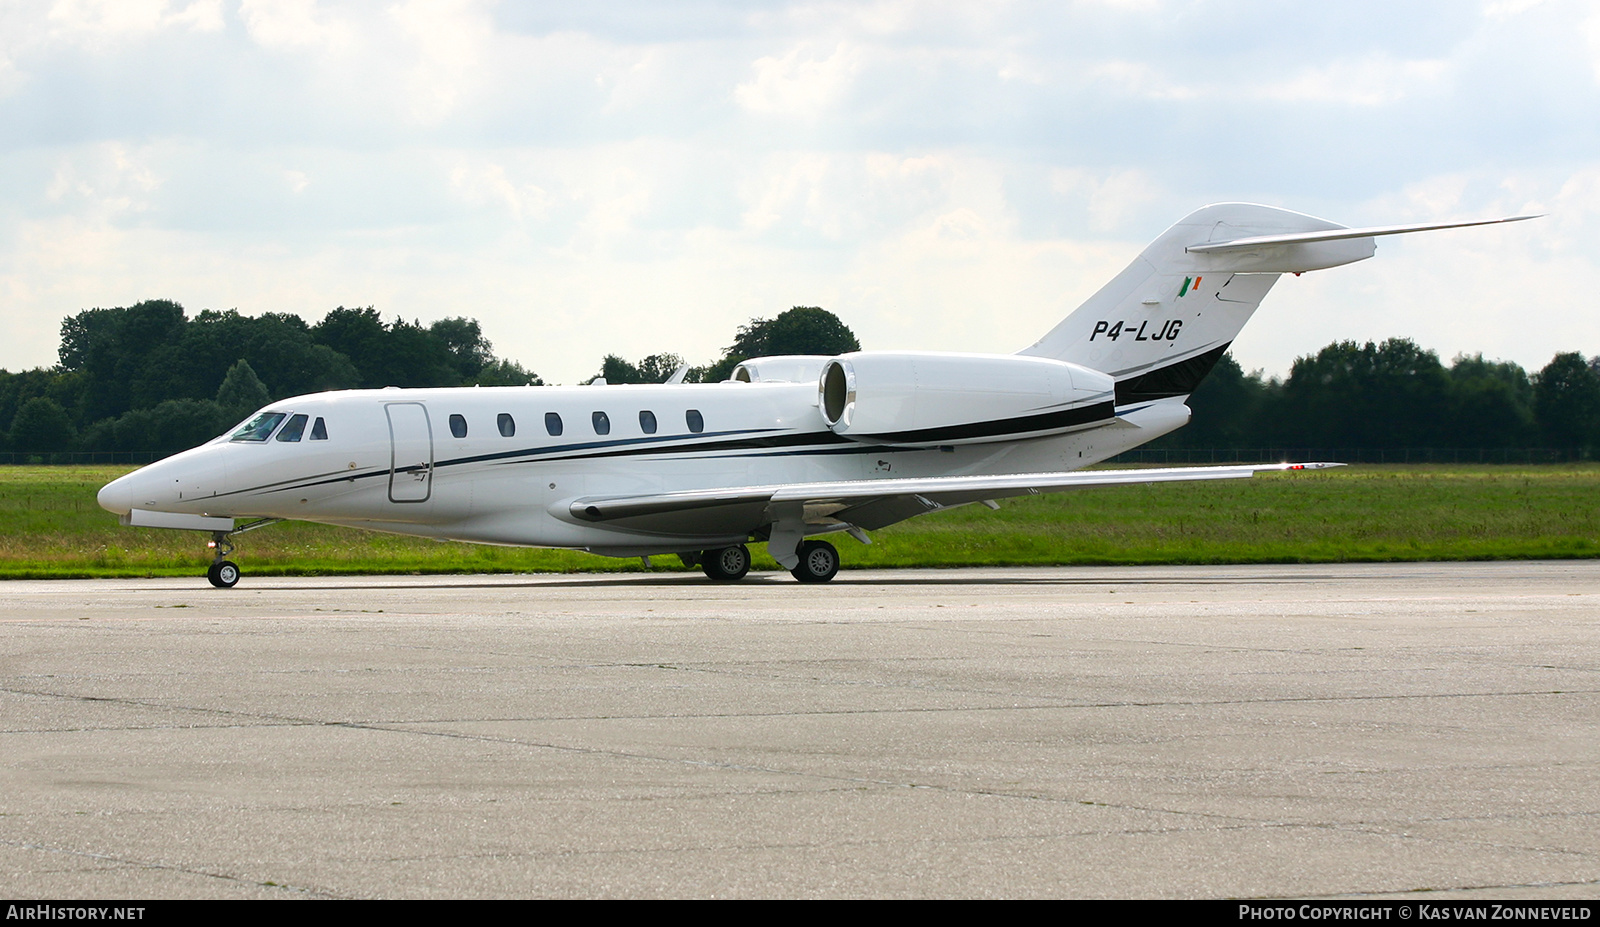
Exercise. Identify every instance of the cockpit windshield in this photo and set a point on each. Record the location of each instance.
(259, 428)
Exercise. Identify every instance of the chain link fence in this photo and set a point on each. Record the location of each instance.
(65, 458)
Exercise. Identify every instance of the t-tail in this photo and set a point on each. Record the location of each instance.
(1160, 326)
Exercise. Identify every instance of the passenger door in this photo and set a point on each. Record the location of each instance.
(410, 452)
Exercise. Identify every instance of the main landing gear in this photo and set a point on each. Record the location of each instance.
(727, 564)
(819, 562)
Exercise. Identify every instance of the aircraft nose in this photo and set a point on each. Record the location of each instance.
(135, 490)
(118, 496)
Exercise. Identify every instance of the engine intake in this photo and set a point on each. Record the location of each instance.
(782, 368)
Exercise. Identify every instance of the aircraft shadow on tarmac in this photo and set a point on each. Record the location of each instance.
(777, 579)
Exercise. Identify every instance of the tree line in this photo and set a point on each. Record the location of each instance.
(801, 330)
(150, 378)
(1396, 394)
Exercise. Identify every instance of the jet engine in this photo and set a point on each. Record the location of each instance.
(782, 368)
(936, 399)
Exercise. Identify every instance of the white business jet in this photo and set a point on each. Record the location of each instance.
(788, 449)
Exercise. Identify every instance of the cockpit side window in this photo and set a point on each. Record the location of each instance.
(294, 430)
(319, 431)
(259, 428)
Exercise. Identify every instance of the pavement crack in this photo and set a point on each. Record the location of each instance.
(166, 867)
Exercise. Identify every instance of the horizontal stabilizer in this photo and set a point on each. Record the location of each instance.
(1260, 241)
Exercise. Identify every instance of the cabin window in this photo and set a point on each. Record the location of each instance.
(458, 426)
(508, 425)
(259, 428)
(602, 424)
(647, 422)
(293, 431)
(696, 422)
(552, 423)
(319, 431)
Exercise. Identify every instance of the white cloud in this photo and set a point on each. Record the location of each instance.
(1143, 79)
(1372, 81)
(1591, 33)
(97, 22)
(1110, 199)
(801, 82)
(297, 24)
(11, 79)
(450, 40)
(1505, 9)
(789, 191)
(105, 182)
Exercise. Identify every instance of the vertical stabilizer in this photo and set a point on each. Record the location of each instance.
(1159, 326)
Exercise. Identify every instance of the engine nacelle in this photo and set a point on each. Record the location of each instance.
(934, 399)
(782, 368)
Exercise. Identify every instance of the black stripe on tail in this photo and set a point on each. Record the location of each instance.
(1176, 379)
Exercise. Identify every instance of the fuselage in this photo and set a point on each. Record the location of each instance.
(504, 465)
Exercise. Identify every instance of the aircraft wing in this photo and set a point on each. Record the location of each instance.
(866, 504)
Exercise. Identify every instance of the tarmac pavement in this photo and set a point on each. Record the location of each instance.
(1353, 731)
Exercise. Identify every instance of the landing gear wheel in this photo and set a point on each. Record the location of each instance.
(819, 561)
(224, 574)
(729, 564)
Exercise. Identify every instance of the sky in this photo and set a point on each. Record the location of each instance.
(644, 177)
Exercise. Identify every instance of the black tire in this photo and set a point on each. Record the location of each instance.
(727, 564)
(819, 562)
(224, 574)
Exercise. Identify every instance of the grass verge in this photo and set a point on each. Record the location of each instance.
(50, 527)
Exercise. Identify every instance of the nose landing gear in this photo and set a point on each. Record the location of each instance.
(224, 573)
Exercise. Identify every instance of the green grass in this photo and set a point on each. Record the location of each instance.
(50, 527)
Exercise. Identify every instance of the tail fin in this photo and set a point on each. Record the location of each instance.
(1159, 326)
